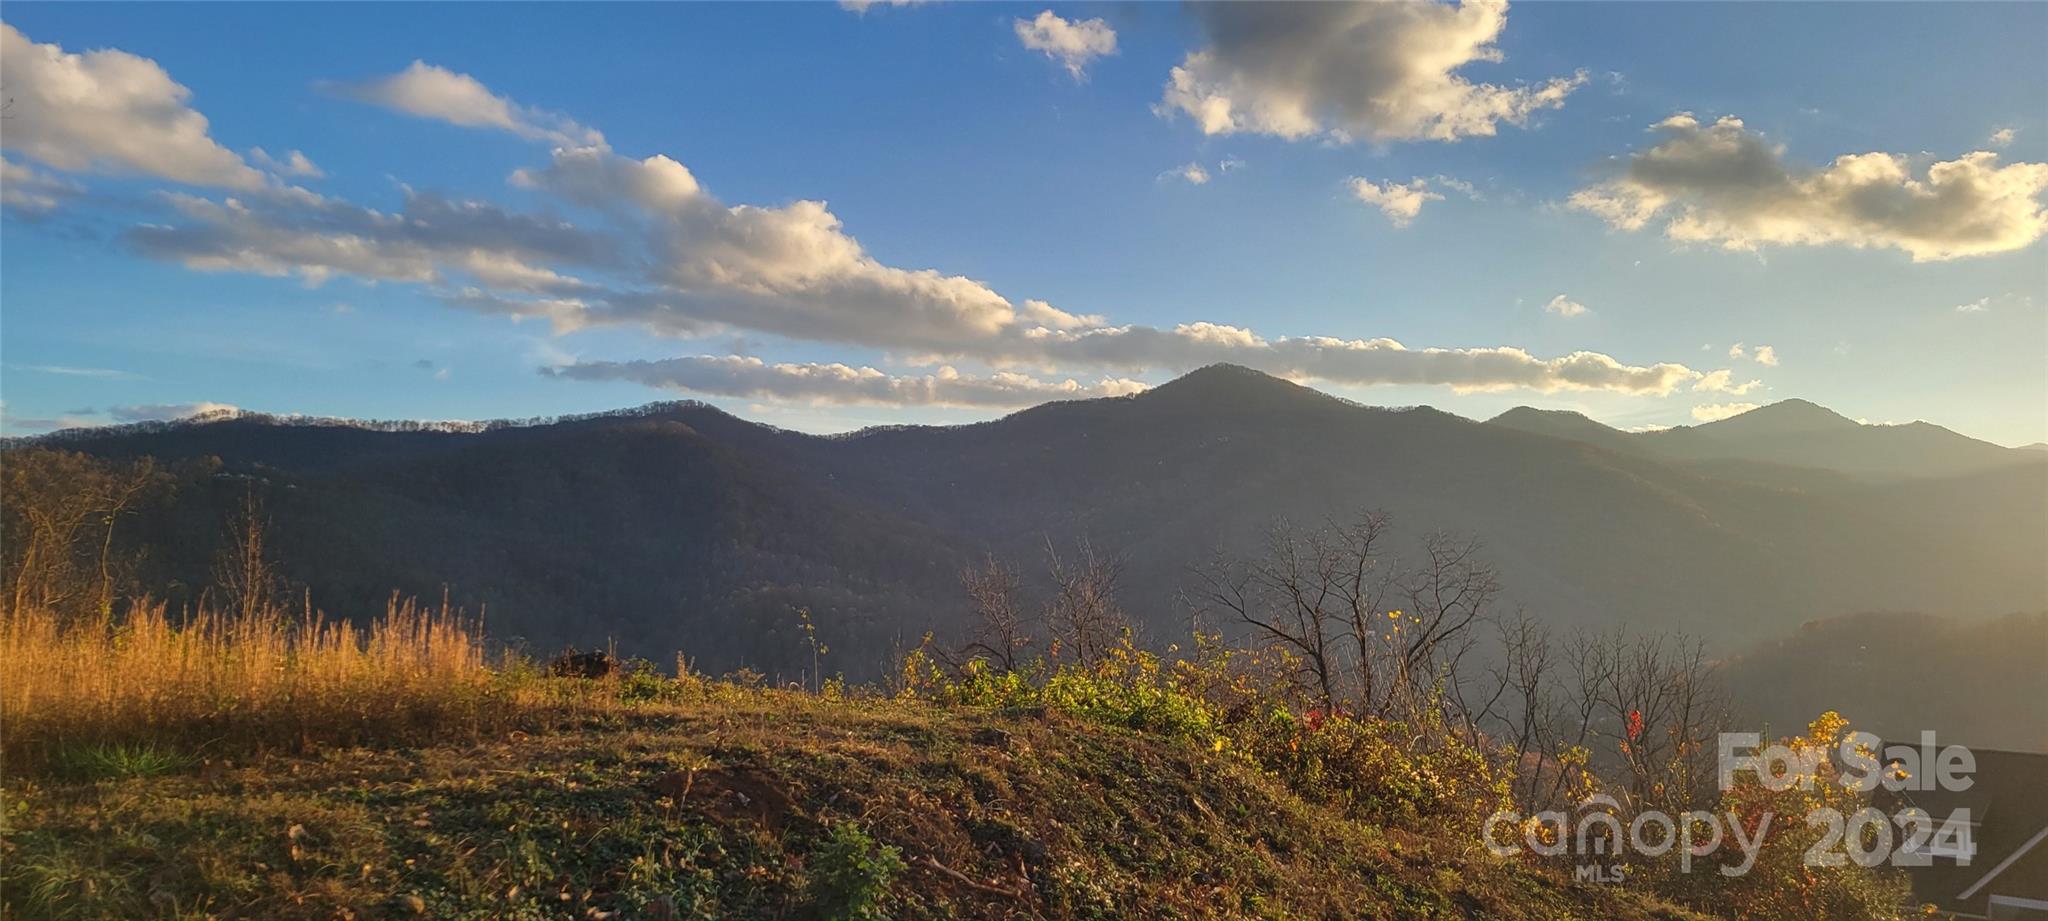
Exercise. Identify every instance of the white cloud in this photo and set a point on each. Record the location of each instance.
(1459, 186)
(2003, 137)
(1359, 362)
(1069, 42)
(1723, 381)
(1714, 412)
(672, 259)
(1399, 202)
(1565, 307)
(31, 192)
(1197, 174)
(432, 241)
(1991, 302)
(112, 111)
(293, 163)
(160, 412)
(1762, 354)
(1378, 71)
(427, 91)
(597, 178)
(1725, 185)
(752, 378)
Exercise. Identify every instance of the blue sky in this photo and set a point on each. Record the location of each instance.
(970, 174)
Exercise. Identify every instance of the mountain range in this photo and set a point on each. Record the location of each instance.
(680, 526)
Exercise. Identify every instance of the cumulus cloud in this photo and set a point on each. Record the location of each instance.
(1723, 381)
(753, 378)
(30, 192)
(1197, 174)
(1460, 186)
(1399, 202)
(111, 111)
(1565, 307)
(438, 93)
(294, 163)
(1072, 43)
(1977, 306)
(791, 270)
(597, 178)
(1379, 71)
(674, 259)
(161, 412)
(432, 240)
(2003, 137)
(1192, 174)
(1714, 412)
(1762, 354)
(1724, 184)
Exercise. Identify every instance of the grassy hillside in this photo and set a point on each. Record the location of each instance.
(739, 804)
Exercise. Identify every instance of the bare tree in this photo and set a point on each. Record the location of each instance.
(1084, 612)
(1002, 630)
(243, 570)
(122, 491)
(1660, 703)
(1363, 628)
(1292, 597)
(58, 512)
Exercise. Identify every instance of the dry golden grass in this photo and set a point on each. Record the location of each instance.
(211, 682)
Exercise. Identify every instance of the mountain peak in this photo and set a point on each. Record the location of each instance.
(1228, 386)
(1531, 413)
(1793, 415)
(1570, 425)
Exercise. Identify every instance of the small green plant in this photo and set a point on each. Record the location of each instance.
(1128, 687)
(818, 648)
(641, 682)
(120, 762)
(851, 872)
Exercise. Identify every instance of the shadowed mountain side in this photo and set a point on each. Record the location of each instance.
(1977, 683)
(1784, 442)
(680, 526)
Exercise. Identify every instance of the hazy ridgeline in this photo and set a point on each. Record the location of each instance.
(678, 526)
(1173, 597)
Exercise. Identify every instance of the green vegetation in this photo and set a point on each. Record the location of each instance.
(1129, 787)
(729, 802)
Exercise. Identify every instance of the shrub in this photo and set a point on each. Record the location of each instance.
(1386, 771)
(850, 873)
(1780, 884)
(1127, 687)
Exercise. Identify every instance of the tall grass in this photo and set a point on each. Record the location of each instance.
(210, 682)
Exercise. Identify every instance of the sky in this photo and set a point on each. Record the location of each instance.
(828, 216)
